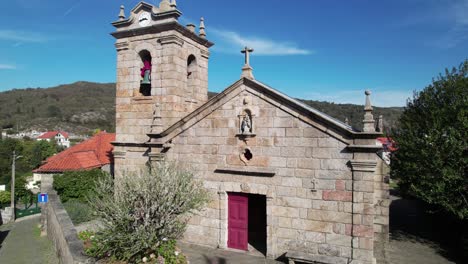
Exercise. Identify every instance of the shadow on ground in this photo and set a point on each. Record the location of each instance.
(412, 221)
(3, 235)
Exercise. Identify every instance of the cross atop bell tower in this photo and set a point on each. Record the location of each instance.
(162, 69)
(247, 71)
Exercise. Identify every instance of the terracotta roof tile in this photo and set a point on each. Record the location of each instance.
(92, 153)
(51, 134)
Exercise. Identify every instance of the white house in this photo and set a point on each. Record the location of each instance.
(59, 136)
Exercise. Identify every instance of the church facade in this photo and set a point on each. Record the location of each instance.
(286, 180)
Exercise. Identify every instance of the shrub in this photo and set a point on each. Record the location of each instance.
(141, 212)
(79, 212)
(5, 197)
(76, 184)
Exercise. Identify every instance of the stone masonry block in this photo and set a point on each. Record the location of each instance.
(340, 240)
(337, 196)
(329, 216)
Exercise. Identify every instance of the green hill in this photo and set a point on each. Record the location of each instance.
(77, 107)
(84, 106)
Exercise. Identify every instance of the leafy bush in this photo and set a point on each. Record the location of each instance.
(76, 184)
(143, 211)
(79, 212)
(21, 192)
(5, 197)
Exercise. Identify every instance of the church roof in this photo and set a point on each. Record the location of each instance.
(326, 123)
(92, 153)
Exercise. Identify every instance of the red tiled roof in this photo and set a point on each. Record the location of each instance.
(387, 143)
(92, 153)
(51, 134)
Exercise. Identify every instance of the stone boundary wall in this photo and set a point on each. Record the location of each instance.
(5, 215)
(60, 229)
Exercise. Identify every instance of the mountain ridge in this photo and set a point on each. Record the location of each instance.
(82, 106)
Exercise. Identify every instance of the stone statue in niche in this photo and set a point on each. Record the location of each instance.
(246, 125)
(145, 72)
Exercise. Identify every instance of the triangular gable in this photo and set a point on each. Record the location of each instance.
(307, 114)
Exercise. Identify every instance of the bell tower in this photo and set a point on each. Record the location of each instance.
(162, 70)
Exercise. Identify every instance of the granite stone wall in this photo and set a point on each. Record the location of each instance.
(59, 228)
(309, 197)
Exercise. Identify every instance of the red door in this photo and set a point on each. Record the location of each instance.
(238, 220)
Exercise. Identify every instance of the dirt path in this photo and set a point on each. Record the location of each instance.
(417, 237)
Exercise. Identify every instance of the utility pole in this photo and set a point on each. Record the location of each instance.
(12, 188)
(13, 170)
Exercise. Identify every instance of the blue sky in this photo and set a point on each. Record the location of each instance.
(326, 50)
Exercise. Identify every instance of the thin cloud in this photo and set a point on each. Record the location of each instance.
(22, 36)
(7, 67)
(453, 15)
(69, 10)
(232, 42)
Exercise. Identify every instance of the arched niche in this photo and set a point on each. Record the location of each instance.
(145, 72)
(191, 74)
(246, 122)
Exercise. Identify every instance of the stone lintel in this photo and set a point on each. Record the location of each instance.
(143, 100)
(119, 154)
(363, 165)
(265, 172)
(172, 39)
(121, 46)
(129, 144)
(364, 148)
(367, 135)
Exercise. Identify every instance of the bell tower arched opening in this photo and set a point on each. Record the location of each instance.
(191, 75)
(145, 72)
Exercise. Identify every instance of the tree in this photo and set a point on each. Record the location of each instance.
(431, 160)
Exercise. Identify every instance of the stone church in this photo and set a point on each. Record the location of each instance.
(287, 180)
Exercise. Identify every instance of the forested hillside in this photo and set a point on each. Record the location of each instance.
(77, 107)
(84, 106)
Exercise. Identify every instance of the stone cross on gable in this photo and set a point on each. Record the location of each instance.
(247, 52)
(247, 70)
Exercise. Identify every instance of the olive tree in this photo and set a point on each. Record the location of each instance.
(140, 211)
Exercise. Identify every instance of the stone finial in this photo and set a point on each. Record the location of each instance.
(247, 71)
(368, 117)
(202, 28)
(380, 124)
(122, 13)
(346, 121)
(165, 5)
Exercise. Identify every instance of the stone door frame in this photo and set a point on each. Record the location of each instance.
(260, 189)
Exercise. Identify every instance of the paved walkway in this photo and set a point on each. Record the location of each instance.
(21, 243)
(204, 255)
(415, 237)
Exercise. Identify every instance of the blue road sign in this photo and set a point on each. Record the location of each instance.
(43, 197)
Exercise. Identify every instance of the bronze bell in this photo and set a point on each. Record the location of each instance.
(146, 78)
